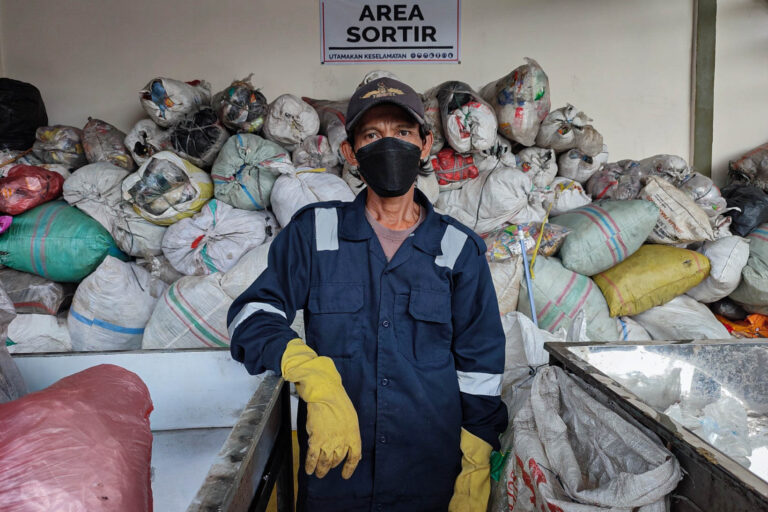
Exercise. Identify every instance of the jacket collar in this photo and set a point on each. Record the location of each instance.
(354, 225)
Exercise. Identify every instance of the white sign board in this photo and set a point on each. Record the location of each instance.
(355, 31)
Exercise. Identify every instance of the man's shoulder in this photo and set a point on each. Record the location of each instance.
(303, 215)
(477, 241)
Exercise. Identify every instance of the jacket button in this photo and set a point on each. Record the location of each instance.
(385, 382)
(385, 323)
(382, 439)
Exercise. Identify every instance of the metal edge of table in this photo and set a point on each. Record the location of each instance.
(667, 428)
(237, 476)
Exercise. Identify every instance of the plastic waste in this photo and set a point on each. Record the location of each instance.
(79, 444)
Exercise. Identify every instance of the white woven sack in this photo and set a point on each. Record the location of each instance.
(167, 101)
(672, 168)
(566, 195)
(567, 128)
(577, 166)
(145, 139)
(682, 318)
(237, 279)
(602, 462)
(471, 128)
(488, 201)
(727, 257)
(506, 276)
(289, 121)
(134, 234)
(499, 155)
(292, 192)
(159, 267)
(376, 74)
(96, 190)
(214, 239)
(191, 314)
(315, 152)
(681, 220)
(112, 306)
(631, 330)
(521, 101)
(540, 164)
(38, 333)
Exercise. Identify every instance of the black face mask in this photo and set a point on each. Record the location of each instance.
(389, 165)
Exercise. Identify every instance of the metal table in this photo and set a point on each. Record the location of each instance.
(646, 381)
(202, 399)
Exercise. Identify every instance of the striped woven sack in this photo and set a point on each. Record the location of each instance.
(191, 314)
(56, 241)
(559, 294)
(605, 233)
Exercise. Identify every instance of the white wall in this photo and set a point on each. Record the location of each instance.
(627, 64)
(741, 81)
(2, 46)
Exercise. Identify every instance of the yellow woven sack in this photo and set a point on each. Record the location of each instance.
(652, 276)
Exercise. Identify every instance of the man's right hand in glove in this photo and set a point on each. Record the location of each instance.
(332, 424)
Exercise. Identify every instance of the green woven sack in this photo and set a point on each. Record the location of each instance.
(56, 241)
(605, 233)
(753, 288)
(246, 169)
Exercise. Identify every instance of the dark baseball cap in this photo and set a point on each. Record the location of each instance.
(383, 90)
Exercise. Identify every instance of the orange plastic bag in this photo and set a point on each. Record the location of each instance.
(80, 445)
(754, 326)
(27, 186)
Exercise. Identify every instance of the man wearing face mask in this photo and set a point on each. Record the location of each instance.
(400, 373)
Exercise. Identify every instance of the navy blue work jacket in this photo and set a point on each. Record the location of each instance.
(417, 340)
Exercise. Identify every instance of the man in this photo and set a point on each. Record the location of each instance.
(400, 374)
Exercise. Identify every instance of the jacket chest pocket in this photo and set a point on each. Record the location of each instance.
(334, 325)
(423, 326)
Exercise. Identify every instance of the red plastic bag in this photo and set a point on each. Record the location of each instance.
(27, 186)
(81, 445)
(451, 167)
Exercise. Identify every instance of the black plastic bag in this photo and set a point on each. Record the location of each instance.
(22, 111)
(199, 137)
(729, 309)
(753, 203)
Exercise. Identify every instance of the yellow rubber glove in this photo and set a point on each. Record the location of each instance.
(332, 425)
(473, 485)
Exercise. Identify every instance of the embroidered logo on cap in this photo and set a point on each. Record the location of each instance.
(382, 92)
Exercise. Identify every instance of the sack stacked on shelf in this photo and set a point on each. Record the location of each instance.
(102, 142)
(112, 306)
(168, 101)
(246, 169)
(216, 238)
(289, 121)
(521, 101)
(241, 107)
(469, 122)
(167, 188)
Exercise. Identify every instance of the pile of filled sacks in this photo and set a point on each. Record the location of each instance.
(115, 241)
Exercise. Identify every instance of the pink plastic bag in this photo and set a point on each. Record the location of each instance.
(5, 222)
(81, 445)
